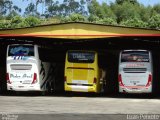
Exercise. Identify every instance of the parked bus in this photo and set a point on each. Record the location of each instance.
(82, 73)
(135, 71)
(27, 69)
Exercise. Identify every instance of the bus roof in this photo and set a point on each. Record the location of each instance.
(134, 50)
(19, 44)
(82, 51)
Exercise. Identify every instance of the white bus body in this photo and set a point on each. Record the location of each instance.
(25, 70)
(135, 71)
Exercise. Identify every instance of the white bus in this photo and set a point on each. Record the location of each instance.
(135, 71)
(26, 71)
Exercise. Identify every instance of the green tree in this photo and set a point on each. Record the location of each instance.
(120, 2)
(17, 22)
(69, 7)
(107, 12)
(3, 7)
(145, 12)
(94, 9)
(121, 12)
(125, 11)
(156, 8)
(31, 10)
(52, 10)
(154, 21)
(7, 7)
(77, 17)
(74, 18)
(135, 22)
(31, 21)
(108, 21)
(93, 18)
(82, 10)
(4, 24)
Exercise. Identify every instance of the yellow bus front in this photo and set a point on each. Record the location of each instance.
(82, 72)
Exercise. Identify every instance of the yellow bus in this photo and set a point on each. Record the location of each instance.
(82, 73)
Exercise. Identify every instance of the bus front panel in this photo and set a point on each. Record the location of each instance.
(81, 72)
(135, 72)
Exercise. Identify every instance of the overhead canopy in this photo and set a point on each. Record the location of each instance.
(78, 30)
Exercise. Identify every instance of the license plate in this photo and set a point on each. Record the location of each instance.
(27, 82)
(80, 82)
(134, 88)
(134, 81)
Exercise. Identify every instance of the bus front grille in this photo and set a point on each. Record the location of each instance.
(21, 67)
(134, 70)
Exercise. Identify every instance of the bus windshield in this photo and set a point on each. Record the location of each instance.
(81, 57)
(21, 50)
(135, 56)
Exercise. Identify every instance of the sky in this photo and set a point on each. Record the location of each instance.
(24, 4)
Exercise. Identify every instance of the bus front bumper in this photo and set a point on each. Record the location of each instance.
(80, 88)
(28, 87)
(135, 90)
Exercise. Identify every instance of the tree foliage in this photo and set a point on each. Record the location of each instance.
(121, 12)
(154, 21)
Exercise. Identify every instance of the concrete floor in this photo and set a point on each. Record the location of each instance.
(78, 106)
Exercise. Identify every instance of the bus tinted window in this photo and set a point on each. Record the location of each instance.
(21, 50)
(81, 57)
(135, 56)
